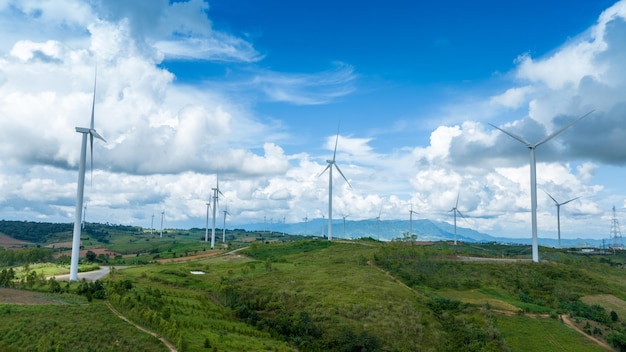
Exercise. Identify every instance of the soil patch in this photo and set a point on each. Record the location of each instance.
(191, 257)
(10, 242)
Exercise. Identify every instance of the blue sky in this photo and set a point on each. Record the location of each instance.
(257, 91)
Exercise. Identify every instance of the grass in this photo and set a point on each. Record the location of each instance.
(524, 333)
(609, 302)
(313, 295)
(91, 327)
(491, 297)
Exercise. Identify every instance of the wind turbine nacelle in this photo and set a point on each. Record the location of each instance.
(330, 161)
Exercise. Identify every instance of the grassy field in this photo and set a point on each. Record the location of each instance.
(69, 327)
(524, 333)
(314, 295)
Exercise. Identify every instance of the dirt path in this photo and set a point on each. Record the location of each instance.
(199, 256)
(571, 324)
(171, 347)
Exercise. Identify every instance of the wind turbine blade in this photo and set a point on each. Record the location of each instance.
(321, 173)
(573, 199)
(93, 103)
(551, 197)
(562, 129)
(91, 158)
(457, 200)
(341, 173)
(459, 212)
(95, 134)
(519, 138)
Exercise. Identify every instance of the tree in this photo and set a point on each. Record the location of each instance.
(91, 256)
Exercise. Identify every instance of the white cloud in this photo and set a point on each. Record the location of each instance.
(166, 140)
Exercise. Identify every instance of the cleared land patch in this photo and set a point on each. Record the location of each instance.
(10, 242)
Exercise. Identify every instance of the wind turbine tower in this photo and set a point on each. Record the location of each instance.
(225, 211)
(206, 231)
(533, 177)
(152, 224)
(283, 226)
(84, 216)
(306, 220)
(81, 184)
(455, 210)
(616, 234)
(332, 163)
(344, 226)
(558, 215)
(411, 212)
(162, 218)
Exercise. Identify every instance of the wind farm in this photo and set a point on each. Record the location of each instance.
(286, 144)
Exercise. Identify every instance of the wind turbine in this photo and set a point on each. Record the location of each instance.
(84, 216)
(558, 214)
(344, 226)
(225, 211)
(306, 220)
(332, 163)
(283, 225)
(206, 231)
(533, 176)
(81, 184)
(216, 193)
(162, 219)
(411, 212)
(152, 223)
(456, 210)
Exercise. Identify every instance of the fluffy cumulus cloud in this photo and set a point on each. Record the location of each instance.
(167, 142)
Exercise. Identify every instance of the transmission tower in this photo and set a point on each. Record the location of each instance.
(616, 234)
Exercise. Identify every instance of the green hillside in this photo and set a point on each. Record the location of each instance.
(283, 293)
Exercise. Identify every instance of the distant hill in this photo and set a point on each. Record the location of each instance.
(36, 232)
(384, 230)
(426, 230)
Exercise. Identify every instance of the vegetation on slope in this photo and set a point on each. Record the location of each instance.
(315, 295)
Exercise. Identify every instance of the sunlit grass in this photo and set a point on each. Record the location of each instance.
(542, 334)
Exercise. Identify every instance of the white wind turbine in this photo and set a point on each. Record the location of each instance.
(81, 184)
(225, 211)
(456, 210)
(206, 231)
(533, 177)
(344, 226)
(558, 214)
(216, 193)
(162, 219)
(306, 221)
(332, 163)
(411, 212)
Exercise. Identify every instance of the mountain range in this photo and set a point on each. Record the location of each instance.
(424, 229)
